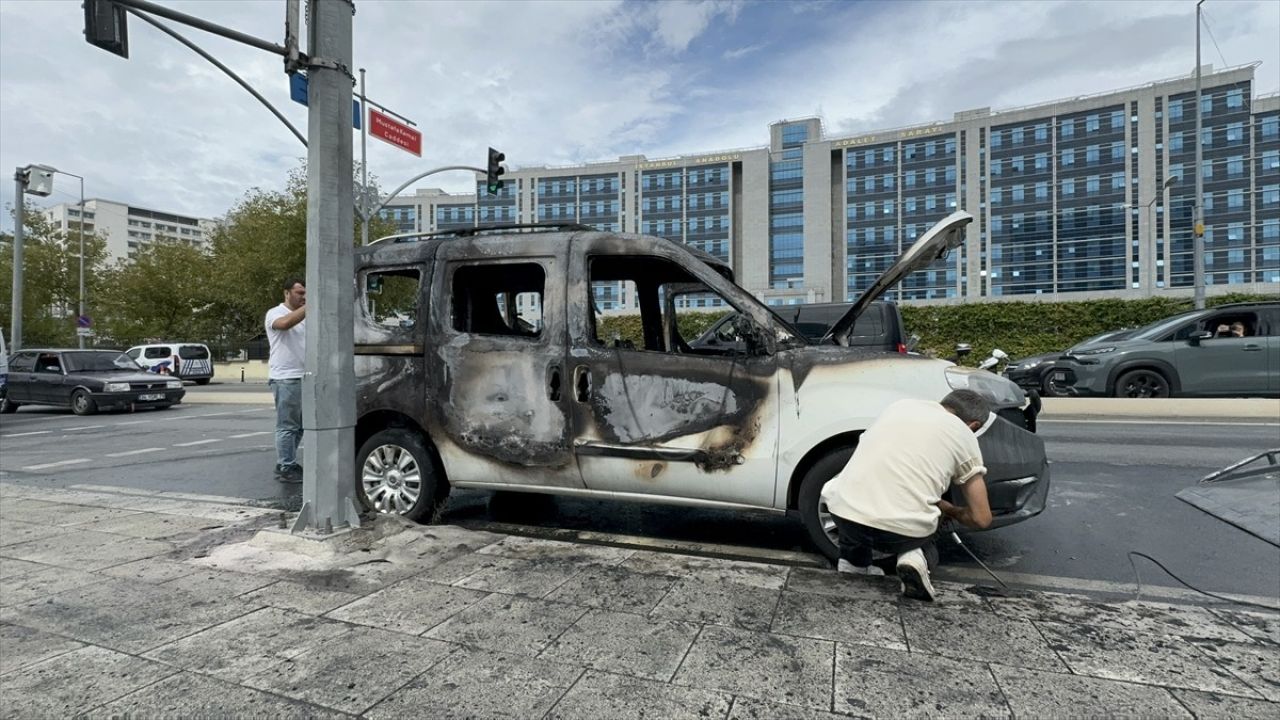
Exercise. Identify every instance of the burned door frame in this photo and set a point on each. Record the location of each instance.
(672, 427)
(390, 366)
(501, 409)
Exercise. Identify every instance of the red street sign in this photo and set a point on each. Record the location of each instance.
(395, 132)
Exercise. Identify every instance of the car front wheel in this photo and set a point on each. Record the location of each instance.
(82, 403)
(8, 406)
(818, 521)
(397, 475)
(1142, 384)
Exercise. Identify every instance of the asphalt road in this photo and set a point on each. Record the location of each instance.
(1113, 490)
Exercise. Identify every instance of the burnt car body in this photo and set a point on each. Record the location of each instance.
(85, 381)
(479, 365)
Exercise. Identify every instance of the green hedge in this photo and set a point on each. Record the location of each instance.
(1018, 328)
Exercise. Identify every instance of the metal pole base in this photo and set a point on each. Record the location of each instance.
(306, 520)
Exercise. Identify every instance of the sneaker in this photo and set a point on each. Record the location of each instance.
(913, 571)
(849, 568)
(290, 475)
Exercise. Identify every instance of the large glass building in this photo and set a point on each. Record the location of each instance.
(1078, 198)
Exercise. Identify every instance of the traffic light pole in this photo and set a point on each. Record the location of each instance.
(328, 387)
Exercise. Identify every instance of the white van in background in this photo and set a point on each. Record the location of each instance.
(187, 361)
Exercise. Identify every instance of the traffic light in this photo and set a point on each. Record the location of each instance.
(493, 177)
(106, 26)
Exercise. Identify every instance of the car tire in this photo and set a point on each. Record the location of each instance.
(8, 406)
(202, 381)
(82, 402)
(1049, 389)
(395, 466)
(1142, 383)
(817, 522)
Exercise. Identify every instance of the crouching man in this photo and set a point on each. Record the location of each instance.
(889, 497)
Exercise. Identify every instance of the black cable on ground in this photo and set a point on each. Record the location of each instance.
(1186, 584)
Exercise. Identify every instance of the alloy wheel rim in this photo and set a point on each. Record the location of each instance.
(391, 479)
(828, 523)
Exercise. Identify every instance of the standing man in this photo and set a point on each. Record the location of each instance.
(286, 332)
(889, 497)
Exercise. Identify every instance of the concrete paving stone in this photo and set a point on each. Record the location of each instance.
(13, 532)
(1139, 617)
(521, 626)
(625, 643)
(218, 584)
(152, 570)
(829, 582)
(12, 567)
(614, 588)
(87, 550)
(1258, 625)
(246, 646)
(74, 682)
(152, 526)
(1152, 659)
(300, 598)
(353, 671)
(1258, 664)
(527, 548)
(454, 537)
(480, 684)
(220, 513)
(745, 708)
(791, 670)
(51, 581)
(1216, 705)
(617, 697)
(196, 696)
(22, 646)
(10, 491)
(718, 601)
(825, 617)
(1034, 694)
(457, 568)
(67, 515)
(771, 577)
(124, 615)
(535, 578)
(411, 606)
(974, 635)
(876, 682)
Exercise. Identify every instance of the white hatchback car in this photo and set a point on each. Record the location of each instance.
(188, 361)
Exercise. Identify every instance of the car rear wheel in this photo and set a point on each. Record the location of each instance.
(1142, 384)
(202, 381)
(818, 521)
(397, 475)
(82, 403)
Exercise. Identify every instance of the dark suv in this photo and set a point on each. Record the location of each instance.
(1226, 351)
(878, 327)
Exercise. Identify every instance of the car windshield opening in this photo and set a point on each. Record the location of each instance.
(98, 361)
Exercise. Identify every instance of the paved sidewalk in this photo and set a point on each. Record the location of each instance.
(166, 605)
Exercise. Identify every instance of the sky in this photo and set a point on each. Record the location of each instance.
(562, 83)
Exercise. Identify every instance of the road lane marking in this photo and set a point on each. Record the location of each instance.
(136, 422)
(1158, 422)
(60, 463)
(197, 442)
(83, 427)
(252, 434)
(25, 434)
(134, 452)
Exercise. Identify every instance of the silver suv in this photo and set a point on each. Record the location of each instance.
(1226, 351)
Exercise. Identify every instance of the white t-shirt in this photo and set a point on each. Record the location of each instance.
(903, 464)
(288, 347)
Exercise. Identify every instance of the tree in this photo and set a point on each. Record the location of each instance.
(51, 280)
(158, 294)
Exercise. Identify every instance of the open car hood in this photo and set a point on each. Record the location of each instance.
(934, 244)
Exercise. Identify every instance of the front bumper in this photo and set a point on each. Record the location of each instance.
(1017, 475)
(1081, 378)
(132, 399)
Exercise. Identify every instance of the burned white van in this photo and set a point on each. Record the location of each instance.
(481, 363)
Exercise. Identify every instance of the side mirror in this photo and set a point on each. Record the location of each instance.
(373, 284)
(752, 338)
(1197, 337)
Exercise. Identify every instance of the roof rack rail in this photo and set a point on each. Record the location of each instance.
(482, 230)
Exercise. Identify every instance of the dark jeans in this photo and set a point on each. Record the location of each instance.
(857, 541)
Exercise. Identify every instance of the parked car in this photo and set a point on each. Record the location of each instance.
(500, 380)
(188, 361)
(1036, 372)
(878, 327)
(85, 381)
(1184, 355)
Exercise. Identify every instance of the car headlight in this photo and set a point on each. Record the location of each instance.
(117, 387)
(1001, 391)
(1094, 351)
(173, 384)
(1029, 364)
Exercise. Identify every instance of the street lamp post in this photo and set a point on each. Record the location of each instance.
(1197, 230)
(1151, 219)
(80, 312)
